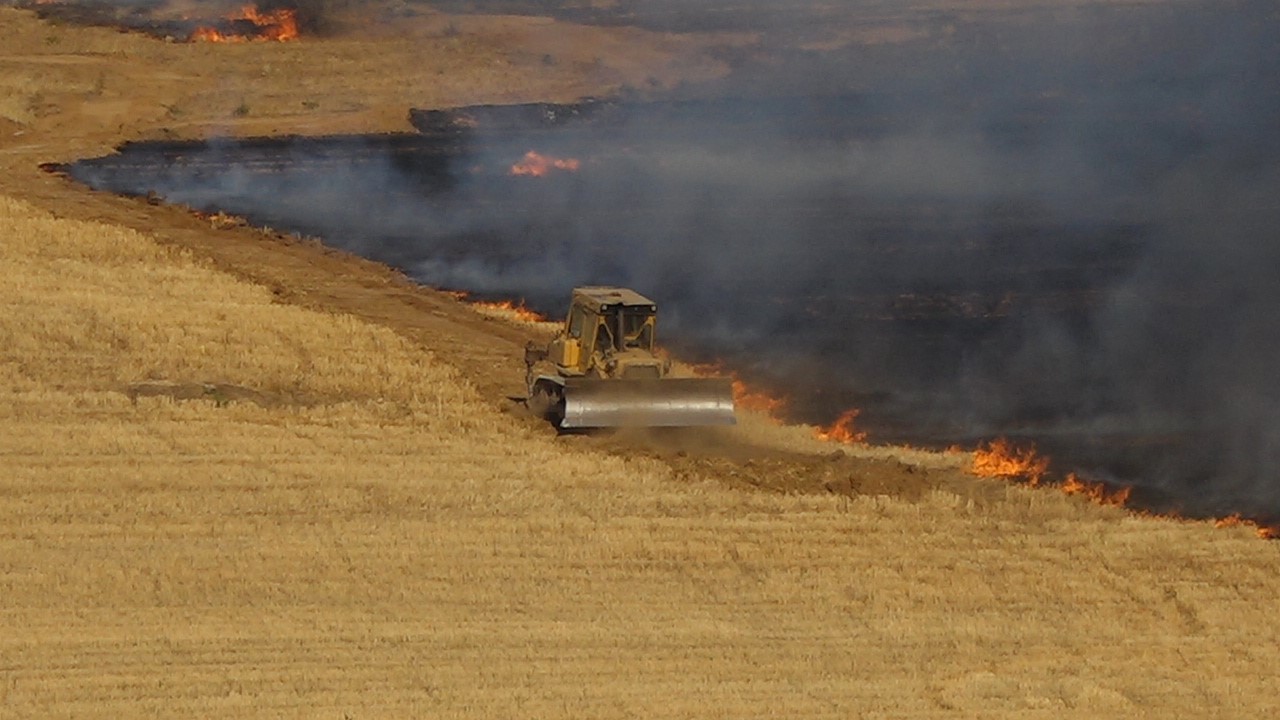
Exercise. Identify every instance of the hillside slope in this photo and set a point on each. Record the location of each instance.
(218, 505)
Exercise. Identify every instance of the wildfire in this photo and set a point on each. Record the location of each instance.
(1095, 492)
(502, 308)
(774, 407)
(537, 165)
(505, 307)
(842, 430)
(1001, 459)
(279, 25)
(745, 396)
(1264, 531)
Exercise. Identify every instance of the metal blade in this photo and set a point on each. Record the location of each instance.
(673, 402)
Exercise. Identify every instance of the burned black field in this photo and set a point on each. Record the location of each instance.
(1072, 243)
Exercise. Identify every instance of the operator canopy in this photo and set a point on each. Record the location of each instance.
(628, 317)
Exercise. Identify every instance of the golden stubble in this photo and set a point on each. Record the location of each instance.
(341, 526)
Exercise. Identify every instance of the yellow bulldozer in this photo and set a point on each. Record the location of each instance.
(602, 370)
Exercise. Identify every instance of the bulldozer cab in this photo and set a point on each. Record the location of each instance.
(604, 321)
(621, 328)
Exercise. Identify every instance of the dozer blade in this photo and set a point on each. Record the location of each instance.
(672, 402)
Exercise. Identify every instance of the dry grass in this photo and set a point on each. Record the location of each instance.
(386, 547)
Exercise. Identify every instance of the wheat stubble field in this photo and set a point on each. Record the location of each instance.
(234, 483)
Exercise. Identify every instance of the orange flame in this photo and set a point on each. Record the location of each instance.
(745, 396)
(1001, 459)
(1096, 492)
(774, 407)
(842, 430)
(536, 165)
(278, 25)
(518, 310)
(1264, 531)
(1234, 520)
(208, 34)
(501, 307)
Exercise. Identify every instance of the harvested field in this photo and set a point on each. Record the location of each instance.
(245, 476)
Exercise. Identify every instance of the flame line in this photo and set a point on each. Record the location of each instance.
(1000, 458)
(519, 309)
(279, 25)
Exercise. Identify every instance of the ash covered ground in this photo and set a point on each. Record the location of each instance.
(1052, 224)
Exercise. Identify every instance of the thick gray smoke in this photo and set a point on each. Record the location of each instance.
(1058, 225)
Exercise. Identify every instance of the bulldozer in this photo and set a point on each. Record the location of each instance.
(602, 370)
